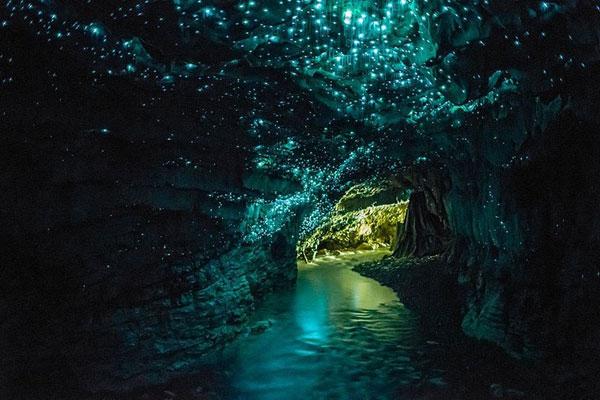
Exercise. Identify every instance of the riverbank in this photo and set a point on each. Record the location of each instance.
(423, 284)
(429, 286)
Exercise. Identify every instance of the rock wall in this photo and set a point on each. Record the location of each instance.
(425, 230)
(366, 217)
(519, 146)
(522, 230)
(122, 266)
(528, 253)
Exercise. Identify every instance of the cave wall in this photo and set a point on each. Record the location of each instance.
(517, 223)
(138, 265)
(366, 217)
(425, 230)
(529, 254)
(142, 221)
(126, 219)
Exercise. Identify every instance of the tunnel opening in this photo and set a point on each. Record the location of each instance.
(404, 214)
(366, 217)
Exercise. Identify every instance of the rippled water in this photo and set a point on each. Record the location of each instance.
(335, 335)
(339, 335)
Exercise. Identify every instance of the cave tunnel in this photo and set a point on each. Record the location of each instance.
(301, 199)
(366, 217)
(403, 214)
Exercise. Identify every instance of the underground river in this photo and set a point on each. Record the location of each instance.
(339, 335)
(336, 334)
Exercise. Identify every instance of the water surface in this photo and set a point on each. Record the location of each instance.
(335, 335)
(339, 335)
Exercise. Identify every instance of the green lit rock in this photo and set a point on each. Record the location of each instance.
(363, 219)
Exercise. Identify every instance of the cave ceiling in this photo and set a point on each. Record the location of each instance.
(379, 62)
(315, 91)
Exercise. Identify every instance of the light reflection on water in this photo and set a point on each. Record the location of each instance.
(338, 335)
(335, 335)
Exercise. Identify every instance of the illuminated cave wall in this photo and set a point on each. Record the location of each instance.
(367, 217)
(162, 159)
